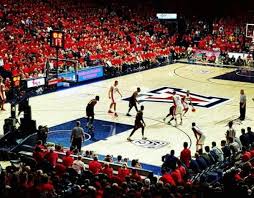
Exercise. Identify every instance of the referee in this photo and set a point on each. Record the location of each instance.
(77, 136)
(242, 105)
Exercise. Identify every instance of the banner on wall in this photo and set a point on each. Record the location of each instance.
(90, 73)
(207, 52)
(69, 76)
(80, 76)
(166, 15)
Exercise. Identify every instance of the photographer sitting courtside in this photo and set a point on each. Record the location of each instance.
(42, 134)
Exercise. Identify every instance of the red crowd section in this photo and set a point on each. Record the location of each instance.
(127, 35)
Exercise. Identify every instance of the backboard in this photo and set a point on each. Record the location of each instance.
(250, 31)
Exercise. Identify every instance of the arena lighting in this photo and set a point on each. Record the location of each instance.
(166, 15)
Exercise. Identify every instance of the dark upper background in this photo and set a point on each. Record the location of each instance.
(195, 7)
(206, 7)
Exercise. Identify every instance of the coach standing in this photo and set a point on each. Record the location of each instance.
(242, 105)
(77, 136)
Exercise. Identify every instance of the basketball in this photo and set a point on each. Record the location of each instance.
(193, 110)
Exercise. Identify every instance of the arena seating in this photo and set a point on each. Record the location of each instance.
(142, 172)
(118, 38)
(115, 37)
(25, 175)
(93, 36)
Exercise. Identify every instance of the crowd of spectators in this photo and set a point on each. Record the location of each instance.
(212, 42)
(220, 58)
(94, 35)
(211, 171)
(113, 35)
(224, 34)
(122, 38)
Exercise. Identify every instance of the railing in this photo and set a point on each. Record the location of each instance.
(142, 172)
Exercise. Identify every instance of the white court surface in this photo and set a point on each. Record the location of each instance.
(62, 106)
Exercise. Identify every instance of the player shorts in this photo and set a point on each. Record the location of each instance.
(185, 106)
(178, 110)
(132, 103)
(113, 100)
(201, 140)
(138, 124)
(89, 111)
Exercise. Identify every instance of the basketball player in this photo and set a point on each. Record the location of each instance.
(200, 137)
(90, 111)
(2, 94)
(170, 113)
(112, 91)
(178, 107)
(133, 101)
(186, 100)
(139, 123)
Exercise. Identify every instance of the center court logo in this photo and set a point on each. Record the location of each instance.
(153, 144)
(165, 94)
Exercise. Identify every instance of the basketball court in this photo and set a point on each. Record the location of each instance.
(216, 103)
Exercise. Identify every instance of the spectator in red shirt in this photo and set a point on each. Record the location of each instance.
(246, 155)
(123, 172)
(134, 175)
(52, 157)
(68, 160)
(60, 169)
(237, 175)
(39, 144)
(181, 169)
(177, 176)
(45, 186)
(38, 155)
(107, 170)
(185, 155)
(167, 178)
(95, 166)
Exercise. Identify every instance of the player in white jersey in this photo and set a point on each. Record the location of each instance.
(178, 107)
(112, 92)
(186, 100)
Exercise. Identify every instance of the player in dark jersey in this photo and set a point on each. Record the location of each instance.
(133, 101)
(170, 113)
(139, 123)
(90, 111)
